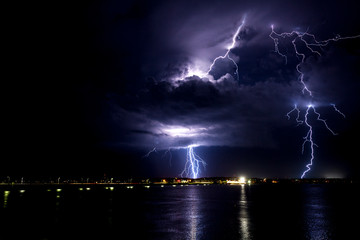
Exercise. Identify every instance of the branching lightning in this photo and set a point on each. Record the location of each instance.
(308, 139)
(227, 54)
(312, 46)
(297, 116)
(193, 163)
(168, 152)
(310, 43)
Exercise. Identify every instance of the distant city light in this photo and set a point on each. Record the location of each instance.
(242, 180)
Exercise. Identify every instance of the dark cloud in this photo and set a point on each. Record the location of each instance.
(216, 113)
(120, 78)
(248, 113)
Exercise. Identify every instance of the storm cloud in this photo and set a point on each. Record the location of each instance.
(119, 78)
(223, 111)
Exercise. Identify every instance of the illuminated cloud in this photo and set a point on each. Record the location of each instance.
(158, 95)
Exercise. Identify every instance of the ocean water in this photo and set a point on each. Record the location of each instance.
(268, 211)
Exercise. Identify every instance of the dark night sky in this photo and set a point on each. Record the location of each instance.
(95, 85)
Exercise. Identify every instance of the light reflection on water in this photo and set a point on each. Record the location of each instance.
(194, 212)
(243, 215)
(316, 219)
(6, 196)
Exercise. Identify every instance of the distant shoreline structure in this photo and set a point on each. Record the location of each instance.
(172, 181)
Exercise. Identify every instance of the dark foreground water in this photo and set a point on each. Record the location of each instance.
(275, 211)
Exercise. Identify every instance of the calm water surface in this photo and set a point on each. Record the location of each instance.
(274, 211)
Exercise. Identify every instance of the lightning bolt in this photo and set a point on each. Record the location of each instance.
(337, 110)
(310, 43)
(151, 151)
(313, 46)
(168, 152)
(297, 116)
(308, 139)
(227, 54)
(193, 163)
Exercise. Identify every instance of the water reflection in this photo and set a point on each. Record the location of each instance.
(193, 199)
(6, 196)
(243, 215)
(316, 220)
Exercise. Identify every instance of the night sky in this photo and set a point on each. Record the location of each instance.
(95, 85)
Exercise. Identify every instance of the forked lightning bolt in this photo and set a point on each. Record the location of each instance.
(193, 163)
(313, 46)
(167, 152)
(310, 43)
(308, 139)
(227, 54)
